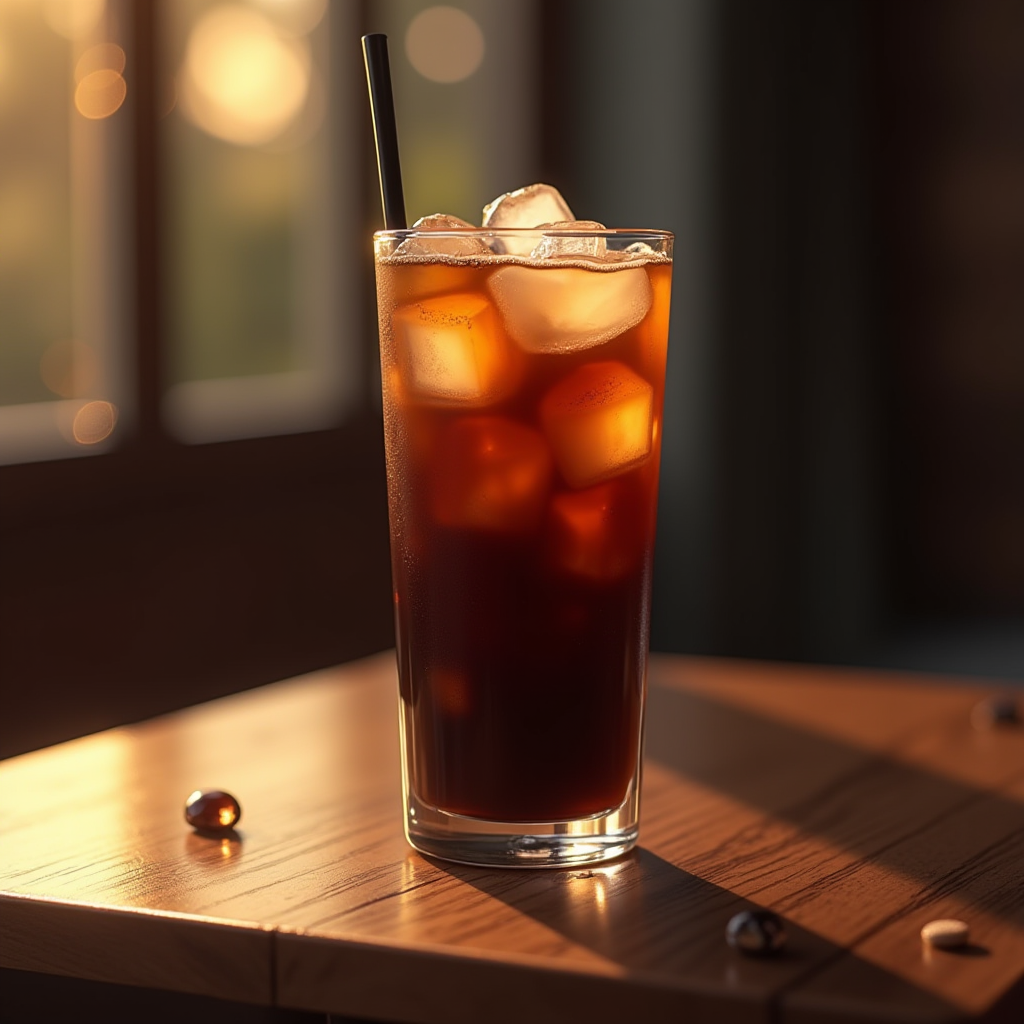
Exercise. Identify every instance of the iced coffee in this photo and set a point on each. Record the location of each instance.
(523, 368)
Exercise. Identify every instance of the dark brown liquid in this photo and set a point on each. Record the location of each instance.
(521, 648)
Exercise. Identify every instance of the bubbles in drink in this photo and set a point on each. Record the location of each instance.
(568, 309)
(596, 534)
(443, 245)
(495, 475)
(526, 208)
(554, 246)
(598, 421)
(452, 349)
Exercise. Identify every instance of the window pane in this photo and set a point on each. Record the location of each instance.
(62, 94)
(252, 276)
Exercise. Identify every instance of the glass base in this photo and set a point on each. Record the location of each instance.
(531, 844)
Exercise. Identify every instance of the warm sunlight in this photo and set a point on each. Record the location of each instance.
(73, 18)
(243, 80)
(295, 16)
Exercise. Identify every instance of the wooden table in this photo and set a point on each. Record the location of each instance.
(857, 805)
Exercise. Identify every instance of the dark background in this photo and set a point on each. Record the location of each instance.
(844, 449)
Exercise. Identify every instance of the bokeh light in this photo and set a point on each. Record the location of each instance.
(243, 80)
(73, 19)
(94, 422)
(294, 16)
(444, 44)
(69, 368)
(103, 57)
(100, 93)
(168, 95)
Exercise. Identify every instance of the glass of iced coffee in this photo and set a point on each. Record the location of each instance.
(523, 369)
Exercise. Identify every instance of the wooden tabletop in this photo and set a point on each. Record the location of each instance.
(857, 805)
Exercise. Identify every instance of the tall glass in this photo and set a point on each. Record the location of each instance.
(522, 414)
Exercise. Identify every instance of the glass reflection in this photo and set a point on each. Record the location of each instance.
(212, 852)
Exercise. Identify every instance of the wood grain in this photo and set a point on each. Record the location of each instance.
(137, 948)
(976, 873)
(852, 803)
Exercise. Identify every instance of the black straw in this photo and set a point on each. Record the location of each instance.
(385, 132)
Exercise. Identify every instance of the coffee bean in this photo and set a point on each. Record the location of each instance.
(212, 810)
(756, 932)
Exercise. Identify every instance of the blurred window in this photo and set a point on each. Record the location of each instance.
(62, 132)
(186, 204)
(257, 260)
(258, 263)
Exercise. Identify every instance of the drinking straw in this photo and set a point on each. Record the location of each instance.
(385, 132)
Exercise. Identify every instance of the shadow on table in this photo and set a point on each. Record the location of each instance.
(646, 915)
(665, 927)
(639, 912)
(855, 799)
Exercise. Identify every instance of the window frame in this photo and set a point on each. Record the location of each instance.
(80, 526)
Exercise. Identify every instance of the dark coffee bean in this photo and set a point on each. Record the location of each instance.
(212, 810)
(756, 932)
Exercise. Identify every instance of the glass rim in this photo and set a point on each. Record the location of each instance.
(404, 233)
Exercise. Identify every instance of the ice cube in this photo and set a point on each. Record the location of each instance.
(559, 247)
(599, 422)
(526, 208)
(443, 245)
(597, 533)
(638, 251)
(451, 349)
(567, 309)
(492, 474)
